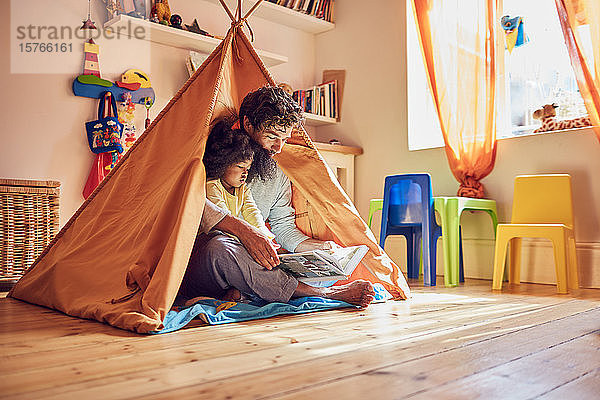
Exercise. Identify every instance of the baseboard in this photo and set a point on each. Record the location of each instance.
(537, 260)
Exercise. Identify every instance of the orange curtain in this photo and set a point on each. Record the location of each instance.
(458, 42)
(580, 20)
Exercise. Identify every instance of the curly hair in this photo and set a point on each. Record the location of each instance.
(225, 147)
(268, 106)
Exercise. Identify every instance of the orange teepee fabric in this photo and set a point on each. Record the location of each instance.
(121, 258)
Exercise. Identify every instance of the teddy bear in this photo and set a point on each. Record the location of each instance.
(547, 115)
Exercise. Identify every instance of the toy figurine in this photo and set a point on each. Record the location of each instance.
(162, 10)
(547, 115)
(194, 27)
(176, 21)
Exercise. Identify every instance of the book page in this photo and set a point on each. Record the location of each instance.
(348, 257)
(309, 265)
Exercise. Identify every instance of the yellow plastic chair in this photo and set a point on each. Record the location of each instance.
(374, 206)
(542, 207)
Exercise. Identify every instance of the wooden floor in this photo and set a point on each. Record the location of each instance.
(444, 343)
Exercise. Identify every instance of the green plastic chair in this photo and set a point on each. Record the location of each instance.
(374, 206)
(450, 210)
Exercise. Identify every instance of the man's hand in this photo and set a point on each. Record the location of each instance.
(259, 246)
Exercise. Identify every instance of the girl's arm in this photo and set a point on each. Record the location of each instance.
(214, 194)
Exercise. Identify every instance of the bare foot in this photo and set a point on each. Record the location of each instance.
(359, 292)
(232, 295)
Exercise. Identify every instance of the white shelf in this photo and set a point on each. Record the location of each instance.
(318, 120)
(282, 15)
(174, 37)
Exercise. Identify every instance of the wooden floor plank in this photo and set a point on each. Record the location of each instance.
(584, 387)
(226, 367)
(362, 365)
(447, 373)
(528, 376)
(369, 329)
(45, 354)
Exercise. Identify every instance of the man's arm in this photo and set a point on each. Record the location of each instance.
(258, 245)
(283, 222)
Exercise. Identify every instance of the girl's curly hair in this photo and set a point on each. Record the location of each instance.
(268, 106)
(224, 147)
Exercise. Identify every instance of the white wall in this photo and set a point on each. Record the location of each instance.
(43, 135)
(370, 43)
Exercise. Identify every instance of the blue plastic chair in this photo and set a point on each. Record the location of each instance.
(408, 210)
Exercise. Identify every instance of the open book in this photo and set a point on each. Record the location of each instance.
(323, 265)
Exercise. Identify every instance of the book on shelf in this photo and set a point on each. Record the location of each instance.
(320, 99)
(323, 265)
(194, 60)
(322, 9)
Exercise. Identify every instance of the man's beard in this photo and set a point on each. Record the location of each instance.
(263, 165)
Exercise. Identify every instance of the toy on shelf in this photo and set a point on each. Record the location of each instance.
(176, 21)
(162, 11)
(547, 115)
(90, 84)
(195, 28)
(514, 32)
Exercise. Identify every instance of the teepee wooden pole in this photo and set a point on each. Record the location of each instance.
(227, 10)
(252, 9)
(239, 10)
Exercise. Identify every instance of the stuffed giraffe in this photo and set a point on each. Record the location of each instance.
(547, 115)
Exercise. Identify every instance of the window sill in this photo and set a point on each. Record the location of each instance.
(585, 129)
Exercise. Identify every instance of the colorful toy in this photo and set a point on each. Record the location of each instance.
(162, 10)
(176, 21)
(91, 65)
(133, 81)
(547, 115)
(136, 76)
(88, 23)
(127, 118)
(148, 103)
(515, 32)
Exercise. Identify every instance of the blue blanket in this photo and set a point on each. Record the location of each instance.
(216, 312)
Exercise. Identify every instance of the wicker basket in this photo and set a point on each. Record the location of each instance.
(29, 219)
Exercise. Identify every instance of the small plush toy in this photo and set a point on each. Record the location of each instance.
(514, 32)
(176, 21)
(162, 10)
(547, 115)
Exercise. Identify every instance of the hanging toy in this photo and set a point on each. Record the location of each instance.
(115, 156)
(515, 32)
(127, 117)
(148, 103)
(88, 23)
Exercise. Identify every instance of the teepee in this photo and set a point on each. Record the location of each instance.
(121, 258)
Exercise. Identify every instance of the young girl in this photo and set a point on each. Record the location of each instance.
(227, 159)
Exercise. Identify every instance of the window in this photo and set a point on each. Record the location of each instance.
(536, 73)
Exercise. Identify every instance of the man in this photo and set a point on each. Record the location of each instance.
(223, 267)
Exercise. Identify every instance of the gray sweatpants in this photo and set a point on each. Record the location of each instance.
(219, 262)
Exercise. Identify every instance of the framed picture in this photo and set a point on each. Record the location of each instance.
(133, 8)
